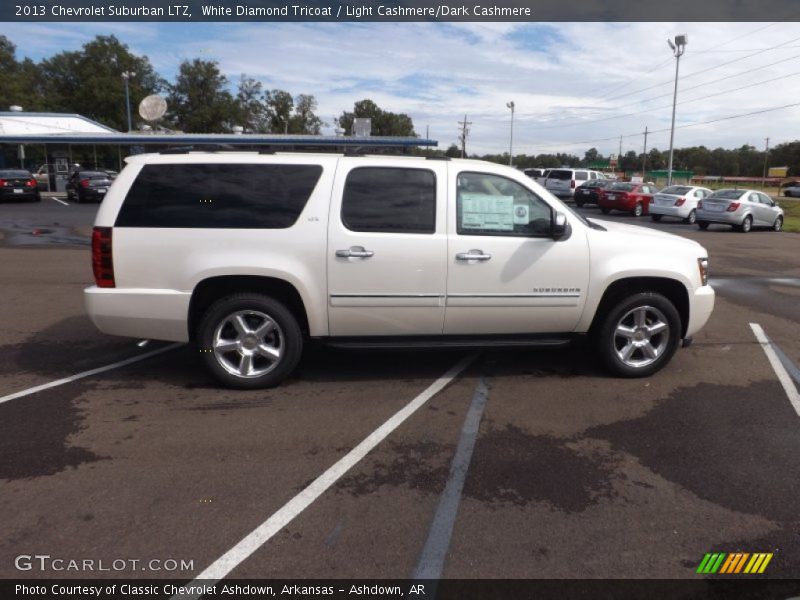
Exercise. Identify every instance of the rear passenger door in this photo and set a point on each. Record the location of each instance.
(387, 248)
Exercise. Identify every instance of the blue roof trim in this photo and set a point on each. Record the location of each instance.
(59, 115)
(215, 138)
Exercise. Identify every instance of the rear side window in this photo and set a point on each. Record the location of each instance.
(390, 200)
(581, 175)
(233, 196)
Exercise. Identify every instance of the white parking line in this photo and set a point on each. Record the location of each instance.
(777, 366)
(259, 536)
(59, 200)
(71, 378)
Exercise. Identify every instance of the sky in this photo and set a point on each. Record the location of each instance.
(574, 85)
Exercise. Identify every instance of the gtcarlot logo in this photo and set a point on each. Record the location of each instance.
(47, 563)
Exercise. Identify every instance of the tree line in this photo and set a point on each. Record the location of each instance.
(89, 82)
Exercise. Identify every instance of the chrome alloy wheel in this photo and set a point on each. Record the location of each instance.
(641, 336)
(248, 344)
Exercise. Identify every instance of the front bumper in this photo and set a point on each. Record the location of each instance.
(701, 304)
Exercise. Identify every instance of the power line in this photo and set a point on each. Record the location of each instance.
(682, 102)
(707, 69)
(697, 124)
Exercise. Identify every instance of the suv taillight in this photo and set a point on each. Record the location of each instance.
(572, 183)
(102, 262)
(733, 207)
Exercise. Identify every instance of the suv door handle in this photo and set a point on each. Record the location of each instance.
(473, 255)
(354, 252)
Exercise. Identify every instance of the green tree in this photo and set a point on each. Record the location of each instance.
(249, 109)
(89, 82)
(199, 101)
(384, 123)
(304, 121)
(279, 110)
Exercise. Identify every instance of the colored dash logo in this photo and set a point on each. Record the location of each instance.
(737, 562)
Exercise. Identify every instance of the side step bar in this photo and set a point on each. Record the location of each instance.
(440, 342)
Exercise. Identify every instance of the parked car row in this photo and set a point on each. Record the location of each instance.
(742, 209)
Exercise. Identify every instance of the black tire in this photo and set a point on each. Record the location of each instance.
(747, 224)
(605, 210)
(778, 224)
(703, 225)
(656, 218)
(638, 210)
(692, 218)
(251, 312)
(611, 346)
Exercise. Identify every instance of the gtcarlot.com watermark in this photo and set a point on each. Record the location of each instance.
(44, 563)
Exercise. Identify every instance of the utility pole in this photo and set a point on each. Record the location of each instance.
(463, 136)
(766, 154)
(644, 158)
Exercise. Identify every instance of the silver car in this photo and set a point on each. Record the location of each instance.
(743, 209)
(679, 201)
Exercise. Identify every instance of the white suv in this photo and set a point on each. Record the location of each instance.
(249, 255)
(562, 182)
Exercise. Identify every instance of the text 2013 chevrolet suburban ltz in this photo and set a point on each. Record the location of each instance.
(251, 255)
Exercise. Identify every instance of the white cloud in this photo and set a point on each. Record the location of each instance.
(565, 78)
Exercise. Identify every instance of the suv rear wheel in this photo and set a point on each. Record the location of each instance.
(638, 335)
(249, 341)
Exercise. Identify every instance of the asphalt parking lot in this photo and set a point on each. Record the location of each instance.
(567, 474)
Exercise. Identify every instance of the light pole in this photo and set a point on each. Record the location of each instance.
(678, 48)
(511, 138)
(126, 75)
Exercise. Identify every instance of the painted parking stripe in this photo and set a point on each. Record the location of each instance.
(262, 534)
(59, 200)
(777, 366)
(71, 378)
(430, 564)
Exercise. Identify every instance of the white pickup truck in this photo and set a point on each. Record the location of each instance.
(250, 255)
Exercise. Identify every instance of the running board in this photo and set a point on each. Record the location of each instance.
(434, 343)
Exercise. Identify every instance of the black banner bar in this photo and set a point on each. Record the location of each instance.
(395, 10)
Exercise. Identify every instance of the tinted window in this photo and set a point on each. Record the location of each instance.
(727, 194)
(562, 174)
(493, 205)
(390, 200)
(625, 187)
(676, 190)
(233, 196)
(581, 175)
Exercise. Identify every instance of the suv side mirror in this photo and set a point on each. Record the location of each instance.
(559, 225)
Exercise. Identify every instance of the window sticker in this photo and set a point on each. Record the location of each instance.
(487, 211)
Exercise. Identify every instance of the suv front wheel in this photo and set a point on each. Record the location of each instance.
(249, 341)
(639, 335)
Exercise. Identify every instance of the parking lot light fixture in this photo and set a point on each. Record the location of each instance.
(126, 75)
(678, 48)
(511, 138)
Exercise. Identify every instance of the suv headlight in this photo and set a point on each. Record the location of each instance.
(702, 264)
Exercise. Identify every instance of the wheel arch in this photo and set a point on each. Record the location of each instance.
(209, 290)
(671, 289)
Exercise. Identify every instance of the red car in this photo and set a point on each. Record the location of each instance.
(628, 197)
